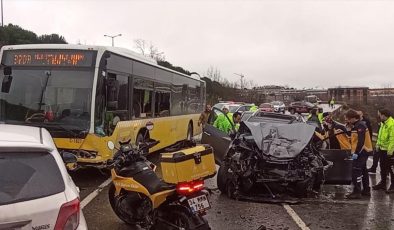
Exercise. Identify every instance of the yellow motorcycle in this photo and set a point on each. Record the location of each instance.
(139, 197)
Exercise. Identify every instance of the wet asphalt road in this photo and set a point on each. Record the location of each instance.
(329, 210)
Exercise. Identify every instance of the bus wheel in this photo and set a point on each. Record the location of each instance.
(140, 139)
(189, 135)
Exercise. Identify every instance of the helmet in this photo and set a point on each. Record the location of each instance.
(226, 107)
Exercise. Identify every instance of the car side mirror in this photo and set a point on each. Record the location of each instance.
(69, 158)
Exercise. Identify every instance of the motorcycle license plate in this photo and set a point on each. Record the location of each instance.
(199, 203)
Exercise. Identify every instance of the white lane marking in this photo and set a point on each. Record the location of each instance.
(92, 195)
(297, 219)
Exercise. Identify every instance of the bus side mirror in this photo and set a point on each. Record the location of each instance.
(7, 80)
(7, 71)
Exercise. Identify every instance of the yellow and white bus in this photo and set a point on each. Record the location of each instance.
(90, 96)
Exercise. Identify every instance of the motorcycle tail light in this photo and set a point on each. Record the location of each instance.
(189, 187)
(68, 218)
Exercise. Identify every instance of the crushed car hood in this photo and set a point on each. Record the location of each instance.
(281, 140)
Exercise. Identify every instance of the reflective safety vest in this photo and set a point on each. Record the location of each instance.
(386, 136)
(320, 116)
(343, 139)
(360, 139)
(224, 124)
(253, 108)
(340, 135)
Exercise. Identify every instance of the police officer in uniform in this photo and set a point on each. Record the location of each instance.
(385, 147)
(361, 147)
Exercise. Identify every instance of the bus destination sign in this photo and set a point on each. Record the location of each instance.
(62, 58)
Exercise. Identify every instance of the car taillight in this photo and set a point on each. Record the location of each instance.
(68, 218)
(189, 187)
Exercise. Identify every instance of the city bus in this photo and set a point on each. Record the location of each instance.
(91, 97)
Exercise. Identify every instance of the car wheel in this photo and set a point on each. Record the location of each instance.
(230, 189)
(222, 178)
(303, 187)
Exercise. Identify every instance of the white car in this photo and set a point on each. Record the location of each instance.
(36, 191)
(279, 106)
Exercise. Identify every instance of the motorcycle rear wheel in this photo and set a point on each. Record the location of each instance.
(186, 221)
(113, 202)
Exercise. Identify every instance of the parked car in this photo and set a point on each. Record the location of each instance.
(312, 99)
(266, 107)
(36, 190)
(240, 108)
(300, 107)
(279, 106)
(232, 108)
(339, 173)
(220, 105)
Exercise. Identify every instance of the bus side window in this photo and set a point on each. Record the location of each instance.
(142, 98)
(162, 104)
(142, 104)
(117, 98)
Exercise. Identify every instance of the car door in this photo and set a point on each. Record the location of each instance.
(341, 171)
(219, 140)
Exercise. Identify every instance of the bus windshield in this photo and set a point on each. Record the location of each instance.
(58, 99)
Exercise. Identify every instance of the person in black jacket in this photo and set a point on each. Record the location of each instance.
(376, 158)
(364, 117)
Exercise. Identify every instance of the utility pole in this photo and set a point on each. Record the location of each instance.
(112, 37)
(2, 14)
(242, 81)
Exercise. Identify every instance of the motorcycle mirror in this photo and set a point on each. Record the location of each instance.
(110, 145)
(69, 158)
(149, 125)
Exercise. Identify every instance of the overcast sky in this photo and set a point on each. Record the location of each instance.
(295, 43)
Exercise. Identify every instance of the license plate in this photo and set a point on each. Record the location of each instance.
(199, 203)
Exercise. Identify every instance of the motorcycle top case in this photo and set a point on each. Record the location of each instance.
(188, 164)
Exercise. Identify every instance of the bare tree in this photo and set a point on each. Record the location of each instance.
(148, 49)
(252, 84)
(214, 74)
(141, 46)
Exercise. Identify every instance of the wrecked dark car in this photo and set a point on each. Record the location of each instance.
(276, 152)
